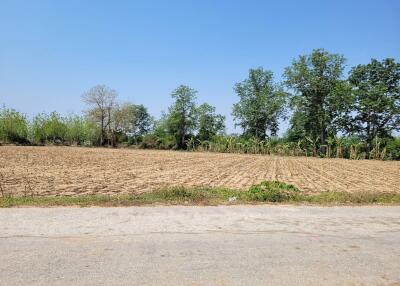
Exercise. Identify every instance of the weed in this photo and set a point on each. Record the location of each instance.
(275, 192)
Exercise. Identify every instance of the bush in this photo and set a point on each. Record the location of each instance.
(272, 191)
(182, 194)
(37, 133)
(393, 149)
(13, 126)
(149, 141)
(55, 128)
(81, 131)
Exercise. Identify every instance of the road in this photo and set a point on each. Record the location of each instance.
(226, 245)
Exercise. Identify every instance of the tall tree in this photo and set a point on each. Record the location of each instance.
(132, 119)
(321, 98)
(376, 89)
(209, 123)
(182, 114)
(261, 104)
(101, 100)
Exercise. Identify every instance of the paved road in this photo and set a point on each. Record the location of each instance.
(240, 245)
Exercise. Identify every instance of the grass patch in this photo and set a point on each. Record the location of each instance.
(265, 192)
(274, 191)
(352, 198)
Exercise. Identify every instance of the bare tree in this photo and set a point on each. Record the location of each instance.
(102, 101)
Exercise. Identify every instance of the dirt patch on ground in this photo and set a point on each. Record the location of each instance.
(83, 171)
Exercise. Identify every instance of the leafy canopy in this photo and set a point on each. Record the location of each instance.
(181, 120)
(376, 90)
(261, 104)
(322, 98)
(209, 123)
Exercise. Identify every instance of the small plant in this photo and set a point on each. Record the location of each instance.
(273, 192)
(175, 194)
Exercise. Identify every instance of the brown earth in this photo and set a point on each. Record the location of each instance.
(79, 171)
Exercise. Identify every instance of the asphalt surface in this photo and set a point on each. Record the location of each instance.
(231, 245)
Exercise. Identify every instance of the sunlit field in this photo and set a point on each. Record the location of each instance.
(43, 171)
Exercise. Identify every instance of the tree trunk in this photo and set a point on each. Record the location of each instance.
(369, 139)
(323, 141)
(102, 131)
(114, 140)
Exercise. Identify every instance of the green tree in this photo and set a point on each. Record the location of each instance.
(182, 114)
(165, 140)
(322, 98)
(48, 128)
(79, 130)
(55, 128)
(132, 119)
(376, 89)
(261, 104)
(37, 133)
(13, 126)
(296, 131)
(209, 123)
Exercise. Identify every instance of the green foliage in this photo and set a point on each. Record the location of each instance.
(393, 149)
(351, 147)
(376, 90)
(13, 126)
(261, 104)
(297, 131)
(268, 191)
(48, 129)
(37, 132)
(81, 131)
(177, 194)
(265, 192)
(55, 128)
(58, 130)
(322, 98)
(132, 119)
(351, 198)
(149, 141)
(209, 123)
(181, 120)
(331, 117)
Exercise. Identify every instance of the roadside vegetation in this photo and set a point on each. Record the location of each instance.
(331, 115)
(265, 192)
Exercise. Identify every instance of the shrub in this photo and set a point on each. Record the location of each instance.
(393, 149)
(13, 126)
(272, 192)
(81, 131)
(177, 195)
(37, 133)
(149, 141)
(55, 128)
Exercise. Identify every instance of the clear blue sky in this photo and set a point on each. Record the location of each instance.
(52, 51)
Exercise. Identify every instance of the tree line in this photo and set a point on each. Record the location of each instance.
(329, 115)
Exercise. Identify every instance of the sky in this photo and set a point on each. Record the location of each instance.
(51, 52)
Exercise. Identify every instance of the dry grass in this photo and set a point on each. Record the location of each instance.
(44, 171)
(264, 193)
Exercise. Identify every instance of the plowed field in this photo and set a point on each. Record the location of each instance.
(78, 171)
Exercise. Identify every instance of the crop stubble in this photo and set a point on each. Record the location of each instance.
(82, 171)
